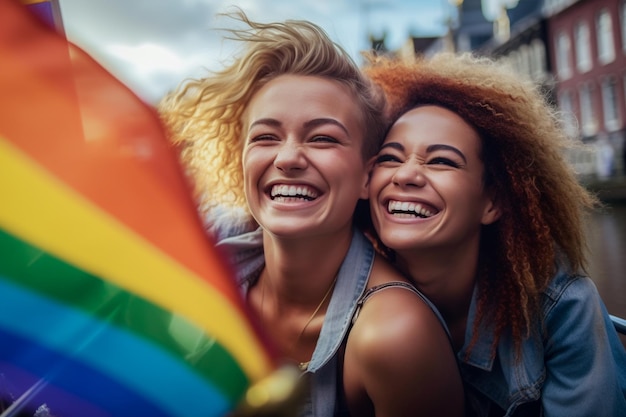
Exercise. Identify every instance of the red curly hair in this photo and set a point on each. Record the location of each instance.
(541, 200)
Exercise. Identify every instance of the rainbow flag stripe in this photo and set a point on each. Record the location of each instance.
(47, 10)
(114, 301)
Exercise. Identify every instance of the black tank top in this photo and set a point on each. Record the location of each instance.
(342, 405)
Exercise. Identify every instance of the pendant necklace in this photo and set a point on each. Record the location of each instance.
(303, 365)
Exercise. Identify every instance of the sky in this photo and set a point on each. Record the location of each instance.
(152, 45)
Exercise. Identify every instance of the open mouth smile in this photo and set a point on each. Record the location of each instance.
(404, 209)
(287, 193)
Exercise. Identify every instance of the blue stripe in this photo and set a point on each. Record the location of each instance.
(143, 367)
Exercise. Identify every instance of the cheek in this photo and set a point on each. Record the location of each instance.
(251, 173)
(376, 185)
(253, 161)
(377, 181)
(467, 196)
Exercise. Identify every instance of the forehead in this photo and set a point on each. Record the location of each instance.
(298, 97)
(433, 124)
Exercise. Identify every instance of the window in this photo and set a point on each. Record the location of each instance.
(538, 60)
(511, 60)
(623, 25)
(524, 61)
(563, 56)
(604, 34)
(567, 114)
(609, 104)
(587, 117)
(583, 47)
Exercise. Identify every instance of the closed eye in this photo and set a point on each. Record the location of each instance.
(261, 138)
(380, 159)
(443, 161)
(323, 138)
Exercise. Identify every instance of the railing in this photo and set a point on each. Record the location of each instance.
(620, 324)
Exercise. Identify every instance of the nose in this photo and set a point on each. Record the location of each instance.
(290, 156)
(410, 173)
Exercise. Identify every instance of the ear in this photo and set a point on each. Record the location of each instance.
(491, 212)
(366, 180)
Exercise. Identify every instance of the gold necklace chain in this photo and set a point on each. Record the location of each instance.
(303, 365)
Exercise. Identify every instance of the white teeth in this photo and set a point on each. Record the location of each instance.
(399, 207)
(283, 190)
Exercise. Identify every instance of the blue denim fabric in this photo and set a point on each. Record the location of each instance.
(574, 366)
(242, 242)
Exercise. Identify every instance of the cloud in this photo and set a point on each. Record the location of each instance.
(152, 45)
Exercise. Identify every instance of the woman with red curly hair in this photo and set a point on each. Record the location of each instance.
(471, 197)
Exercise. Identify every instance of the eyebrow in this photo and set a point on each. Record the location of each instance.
(326, 121)
(309, 124)
(438, 147)
(431, 148)
(265, 122)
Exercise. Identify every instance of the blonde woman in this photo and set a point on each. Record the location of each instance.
(278, 144)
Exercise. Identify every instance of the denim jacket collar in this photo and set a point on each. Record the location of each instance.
(246, 251)
(507, 381)
(351, 282)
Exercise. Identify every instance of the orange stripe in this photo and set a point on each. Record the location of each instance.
(121, 161)
(34, 1)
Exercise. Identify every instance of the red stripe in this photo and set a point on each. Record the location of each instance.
(122, 162)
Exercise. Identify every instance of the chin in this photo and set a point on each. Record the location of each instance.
(399, 242)
(289, 229)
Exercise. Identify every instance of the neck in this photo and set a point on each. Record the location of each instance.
(301, 270)
(294, 290)
(446, 277)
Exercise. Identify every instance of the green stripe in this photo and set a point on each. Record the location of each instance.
(35, 269)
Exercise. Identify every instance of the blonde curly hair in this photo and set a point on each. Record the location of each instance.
(542, 203)
(204, 115)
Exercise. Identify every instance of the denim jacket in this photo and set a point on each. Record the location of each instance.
(243, 244)
(576, 366)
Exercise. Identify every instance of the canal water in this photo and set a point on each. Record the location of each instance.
(606, 233)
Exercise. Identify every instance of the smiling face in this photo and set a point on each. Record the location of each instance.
(303, 169)
(426, 189)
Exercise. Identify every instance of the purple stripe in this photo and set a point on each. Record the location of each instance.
(71, 388)
(44, 12)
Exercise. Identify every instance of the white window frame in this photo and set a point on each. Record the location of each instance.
(623, 25)
(588, 122)
(610, 103)
(563, 55)
(604, 36)
(538, 62)
(582, 41)
(524, 61)
(568, 116)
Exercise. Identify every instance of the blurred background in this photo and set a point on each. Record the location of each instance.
(575, 50)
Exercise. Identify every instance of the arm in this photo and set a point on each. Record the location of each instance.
(399, 360)
(584, 357)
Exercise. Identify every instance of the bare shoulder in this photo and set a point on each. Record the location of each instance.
(399, 356)
(395, 309)
(396, 319)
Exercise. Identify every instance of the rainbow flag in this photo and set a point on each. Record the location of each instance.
(113, 301)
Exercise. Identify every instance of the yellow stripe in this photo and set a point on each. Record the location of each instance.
(44, 211)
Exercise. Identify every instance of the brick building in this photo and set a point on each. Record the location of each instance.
(588, 52)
